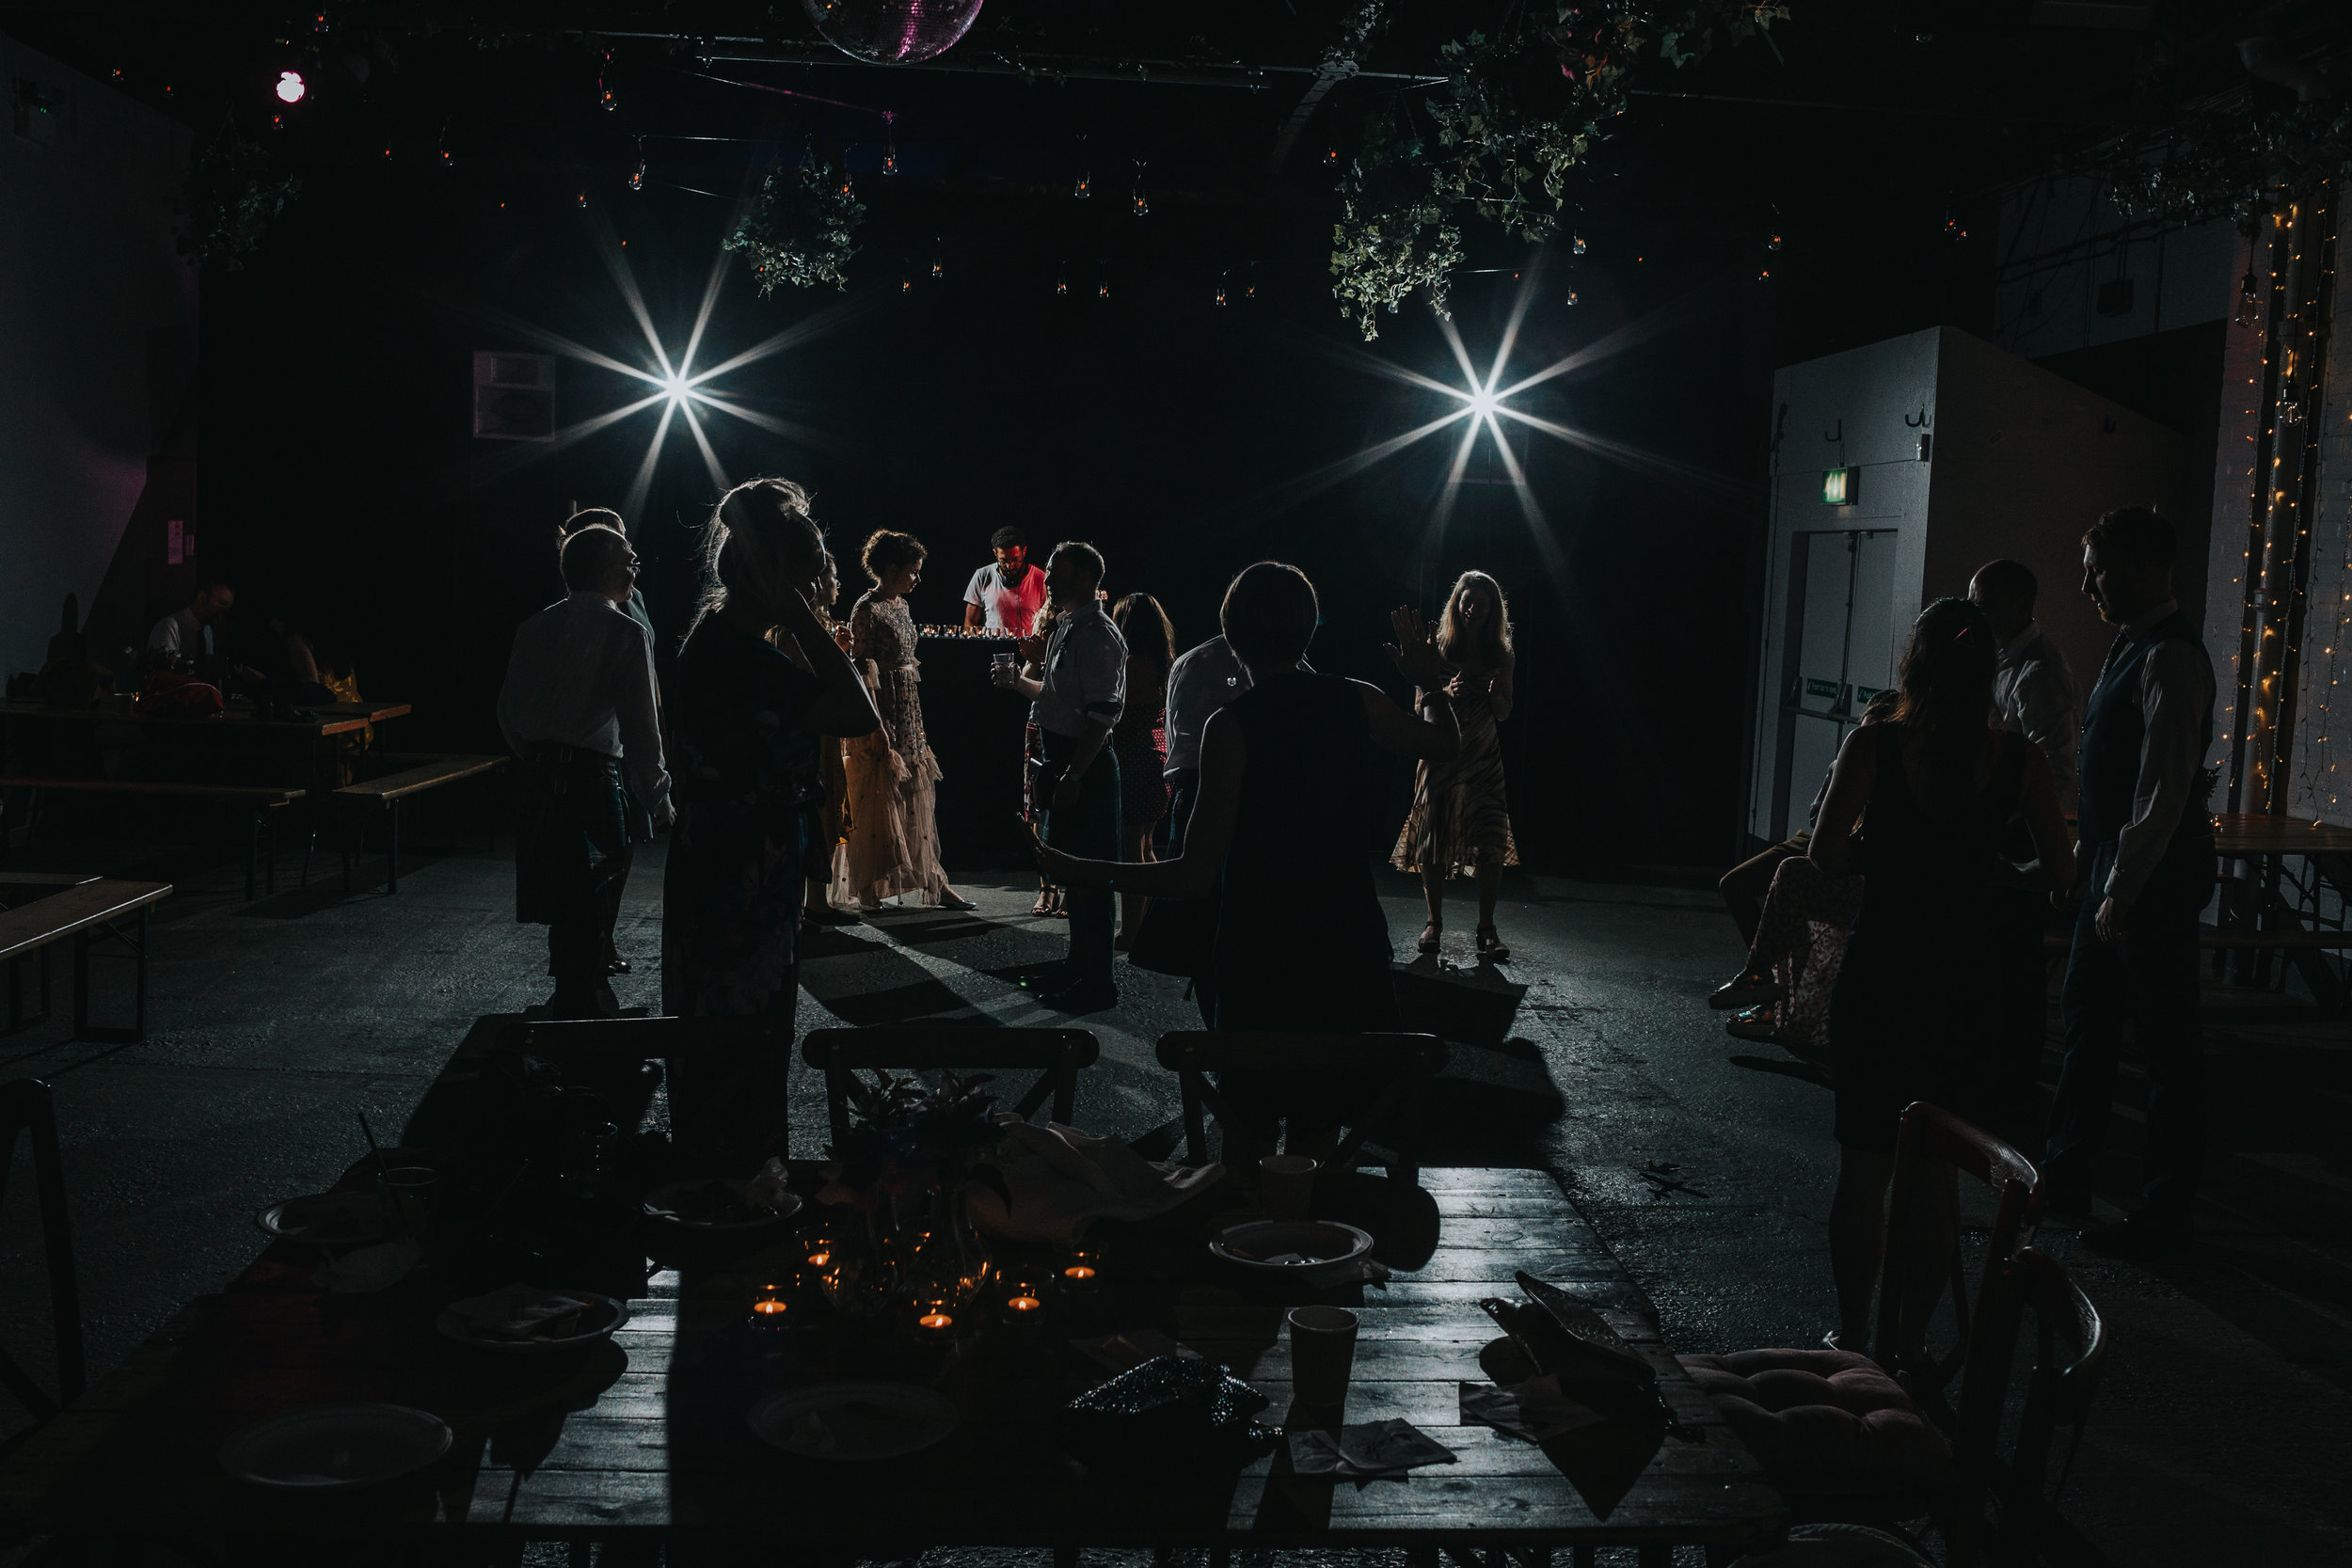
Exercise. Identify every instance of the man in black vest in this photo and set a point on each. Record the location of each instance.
(2145, 858)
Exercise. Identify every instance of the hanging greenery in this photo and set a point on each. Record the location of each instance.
(232, 195)
(2235, 161)
(799, 229)
(1516, 113)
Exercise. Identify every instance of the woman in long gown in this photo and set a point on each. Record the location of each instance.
(1290, 776)
(829, 815)
(1140, 738)
(1940, 784)
(1459, 821)
(892, 846)
(745, 728)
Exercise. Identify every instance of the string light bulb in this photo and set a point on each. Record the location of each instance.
(939, 257)
(1082, 186)
(1142, 203)
(890, 142)
(637, 175)
(1577, 245)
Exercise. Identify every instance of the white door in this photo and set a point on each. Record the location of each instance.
(1838, 641)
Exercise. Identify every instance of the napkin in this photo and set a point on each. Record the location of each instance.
(1118, 1352)
(769, 1191)
(1375, 1448)
(1534, 1410)
(370, 1268)
(1061, 1177)
(515, 1312)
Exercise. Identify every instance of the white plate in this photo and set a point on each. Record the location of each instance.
(327, 1219)
(763, 1218)
(1295, 1247)
(336, 1447)
(855, 1421)
(616, 1314)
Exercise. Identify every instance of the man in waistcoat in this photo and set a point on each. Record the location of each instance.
(2144, 860)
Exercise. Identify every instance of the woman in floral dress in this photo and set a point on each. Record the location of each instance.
(892, 848)
(1459, 821)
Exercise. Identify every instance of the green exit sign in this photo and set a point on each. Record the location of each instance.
(1841, 486)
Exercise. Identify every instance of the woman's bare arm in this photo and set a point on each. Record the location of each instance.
(1207, 836)
(1849, 783)
(1432, 732)
(1499, 693)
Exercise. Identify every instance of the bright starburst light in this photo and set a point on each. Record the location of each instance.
(674, 386)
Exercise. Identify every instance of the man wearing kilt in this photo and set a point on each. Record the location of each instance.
(578, 709)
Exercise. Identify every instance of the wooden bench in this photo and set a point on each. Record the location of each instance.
(260, 801)
(84, 911)
(385, 796)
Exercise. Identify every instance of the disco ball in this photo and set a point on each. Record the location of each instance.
(892, 31)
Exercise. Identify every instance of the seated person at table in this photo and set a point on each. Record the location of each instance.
(187, 633)
(1291, 782)
(578, 708)
(68, 679)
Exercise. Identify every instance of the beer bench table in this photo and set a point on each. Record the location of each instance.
(643, 1440)
(84, 909)
(2256, 921)
(384, 797)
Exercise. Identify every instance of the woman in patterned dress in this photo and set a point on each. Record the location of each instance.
(1459, 821)
(892, 847)
(1140, 739)
(745, 728)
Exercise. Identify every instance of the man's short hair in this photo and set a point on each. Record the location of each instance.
(1269, 615)
(593, 517)
(1084, 554)
(589, 553)
(2138, 531)
(1008, 538)
(2010, 582)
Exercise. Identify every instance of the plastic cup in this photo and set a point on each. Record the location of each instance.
(1323, 1348)
(1288, 1184)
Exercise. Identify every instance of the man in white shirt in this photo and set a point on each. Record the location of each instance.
(578, 709)
(1079, 698)
(187, 633)
(1006, 597)
(2144, 854)
(2033, 695)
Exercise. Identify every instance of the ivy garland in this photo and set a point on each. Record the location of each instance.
(800, 228)
(1516, 113)
(2234, 163)
(232, 195)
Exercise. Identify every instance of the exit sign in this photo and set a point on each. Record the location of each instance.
(1841, 486)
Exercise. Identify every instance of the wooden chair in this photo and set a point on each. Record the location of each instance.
(1903, 1462)
(1057, 1055)
(2025, 1526)
(752, 1051)
(1409, 1062)
(1932, 1149)
(27, 1106)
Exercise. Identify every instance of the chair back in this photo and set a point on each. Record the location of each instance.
(1923, 1263)
(1057, 1055)
(747, 1057)
(2069, 1351)
(1409, 1062)
(26, 1107)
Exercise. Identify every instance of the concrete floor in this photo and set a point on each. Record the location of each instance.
(1705, 1163)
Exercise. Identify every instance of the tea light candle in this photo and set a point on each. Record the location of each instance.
(1084, 1265)
(769, 1306)
(1024, 1298)
(934, 1318)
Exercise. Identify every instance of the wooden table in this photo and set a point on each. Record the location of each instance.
(295, 751)
(2264, 919)
(43, 908)
(645, 1438)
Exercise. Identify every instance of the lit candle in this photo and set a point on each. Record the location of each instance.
(1085, 1262)
(1025, 1303)
(769, 1306)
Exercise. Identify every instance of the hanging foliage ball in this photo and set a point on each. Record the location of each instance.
(892, 31)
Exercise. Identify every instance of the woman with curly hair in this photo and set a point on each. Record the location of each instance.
(892, 847)
(1459, 821)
